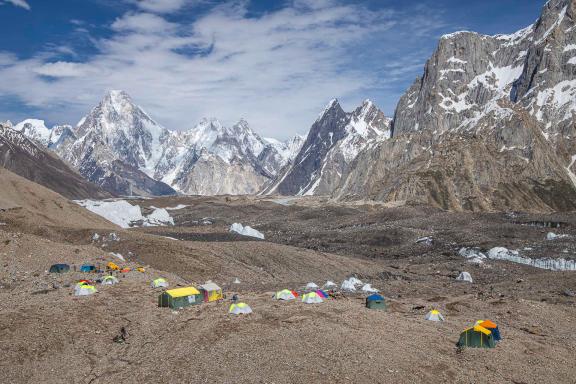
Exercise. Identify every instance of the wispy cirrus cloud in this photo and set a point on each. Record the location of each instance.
(276, 69)
(17, 3)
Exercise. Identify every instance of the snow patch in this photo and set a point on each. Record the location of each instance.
(179, 206)
(553, 236)
(126, 215)
(246, 231)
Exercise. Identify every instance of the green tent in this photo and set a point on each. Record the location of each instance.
(476, 337)
(375, 302)
(180, 297)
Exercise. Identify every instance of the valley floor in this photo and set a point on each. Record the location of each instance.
(48, 335)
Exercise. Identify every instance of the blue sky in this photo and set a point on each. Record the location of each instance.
(275, 63)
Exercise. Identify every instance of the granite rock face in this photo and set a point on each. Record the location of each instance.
(333, 142)
(489, 125)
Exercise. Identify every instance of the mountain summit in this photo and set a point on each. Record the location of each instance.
(489, 125)
(121, 148)
(333, 143)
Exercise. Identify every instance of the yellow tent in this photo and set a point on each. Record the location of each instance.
(112, 266)
(239, 309)
(180, 297)
(212, 292)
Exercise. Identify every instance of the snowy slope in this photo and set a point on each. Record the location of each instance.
(120, 147)
(335, 140)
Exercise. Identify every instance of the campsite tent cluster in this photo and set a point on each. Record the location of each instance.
(483, 334)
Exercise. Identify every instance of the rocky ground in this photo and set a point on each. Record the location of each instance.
(48, 335)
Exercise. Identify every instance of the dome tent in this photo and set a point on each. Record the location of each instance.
(109, 280)
(464, 276)
(88, 268)
(434, 315)
(112, 266)
(240, 309)
(84, 289)
(492, 327)
(311, 287)
(350, 284)
(284, 294)
(329, 285)
(159, 283)
(59, 268)
(312, 298)
(476, 337)
(375, 301)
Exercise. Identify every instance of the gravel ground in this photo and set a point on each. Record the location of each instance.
(48, 335)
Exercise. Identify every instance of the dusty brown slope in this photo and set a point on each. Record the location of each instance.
(27, 204)
(23, 157)
(50, 336)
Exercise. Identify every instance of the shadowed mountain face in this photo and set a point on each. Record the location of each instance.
(334, 141)
(27, 159)
(489, 125)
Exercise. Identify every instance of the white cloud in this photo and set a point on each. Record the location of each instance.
(61, 69)
(160, 6)
(277, 70)
(19, 3)
(145, 23)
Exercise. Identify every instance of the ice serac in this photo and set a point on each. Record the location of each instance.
(33, 161)
(116, 146)
(489, 125)
(334, 141)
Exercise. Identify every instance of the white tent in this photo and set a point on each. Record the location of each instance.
(312, 298)
(350, 284)
(240, 309)
(84, 290)
(329, 284)
(109, 280)
(368, 288)
(210, 286)
(464, 276)
(434, 315)
(236, 281)
(159, 283)
(284, 294)
(311, 287)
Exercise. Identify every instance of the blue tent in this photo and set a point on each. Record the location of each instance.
(59, 268)
(87, 268)
(375, 301)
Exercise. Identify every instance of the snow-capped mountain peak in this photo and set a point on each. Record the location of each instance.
(332, 106)
(369, 122)
(36, 130)
(119, 146)
(334, 141)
